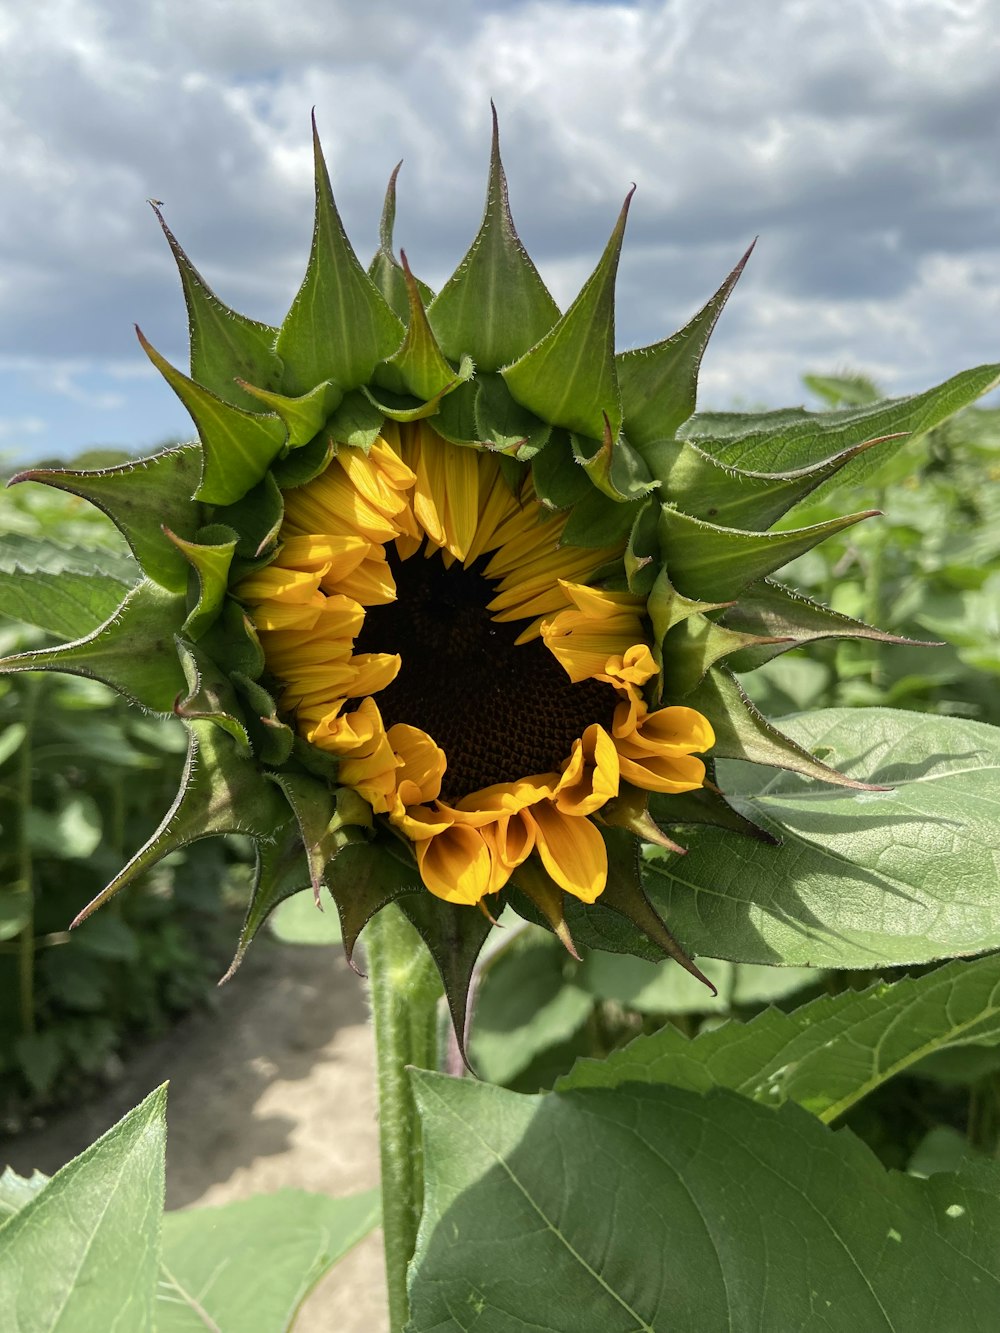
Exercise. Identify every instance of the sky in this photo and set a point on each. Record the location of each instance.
(858, 141)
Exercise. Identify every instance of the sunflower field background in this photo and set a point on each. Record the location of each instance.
(810, 1139)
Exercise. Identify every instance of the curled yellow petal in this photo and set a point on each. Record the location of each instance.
(572, 851)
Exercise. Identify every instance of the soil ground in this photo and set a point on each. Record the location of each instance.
(273, 1087)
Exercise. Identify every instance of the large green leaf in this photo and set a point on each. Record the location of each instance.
(83, 1251)
(654, 1208)
(247, 1266)
(864, 879)
(826, 1055)
(65, 591)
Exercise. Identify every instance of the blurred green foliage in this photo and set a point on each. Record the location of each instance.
(84, 779)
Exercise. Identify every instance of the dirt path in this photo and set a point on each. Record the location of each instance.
(274, 1088)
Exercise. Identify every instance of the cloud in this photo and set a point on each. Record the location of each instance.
(856, 141)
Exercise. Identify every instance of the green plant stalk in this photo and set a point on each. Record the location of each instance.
(404, 988)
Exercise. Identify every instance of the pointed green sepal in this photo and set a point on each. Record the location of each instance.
(233, 639)
(666, 607)
(741, 732)
(702, 486)
(356, 422)
(404, 407)
(161, 487)
(697, 643)
(535, 883)
(420, 366)
(455, 419)
(340, 326)
(495, 306)
(256, 517)
(210, 557)
(613, 466)
(210, 696)
(560, 482)
(705, 805)
(773, 441)
(363, 880)
(281, 871)
(505, 425)
(716, 563)
(220, 792)
(385, 270)
(624, 895)
(238, 446)
(630, 811)
(768, 608)
(273, 739)
(320, 817)
(454, 937)
(659, 384)
(597, 520)
(225, 346)
(133, 652)
(302, 465)
(569, 377)
(642, 551)
(303, 416)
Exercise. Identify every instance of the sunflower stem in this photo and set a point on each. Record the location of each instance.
(404, 989)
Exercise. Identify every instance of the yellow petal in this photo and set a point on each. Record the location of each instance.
(590, 777)
(455, 865)
(572, 851)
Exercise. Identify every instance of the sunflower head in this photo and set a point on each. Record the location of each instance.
(446, 598)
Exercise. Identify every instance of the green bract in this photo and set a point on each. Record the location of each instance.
(698, 503)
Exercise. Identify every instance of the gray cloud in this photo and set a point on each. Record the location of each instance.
(858, 142)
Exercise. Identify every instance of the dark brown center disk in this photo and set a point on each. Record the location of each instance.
(500, 712)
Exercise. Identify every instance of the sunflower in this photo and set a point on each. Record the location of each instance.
(449, 597)
(423, 623)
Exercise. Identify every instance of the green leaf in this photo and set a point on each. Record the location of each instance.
(659, 384)
(225, 346)
(560, 481)
(495, 305)
(696, 644)
(65, 591)
(385, 271)
(524, 1005)
(653, 1208)
(249, 1265)
(363, 878)
(151, 677)
(320, 816)
(597, 520)
(874, 879)
(779, 442)
(826, 1055)
(716, 563)
(339, 326)
(281, 871)
(83, 1252)
(237, 446)
(210, 696)
(569, 379)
